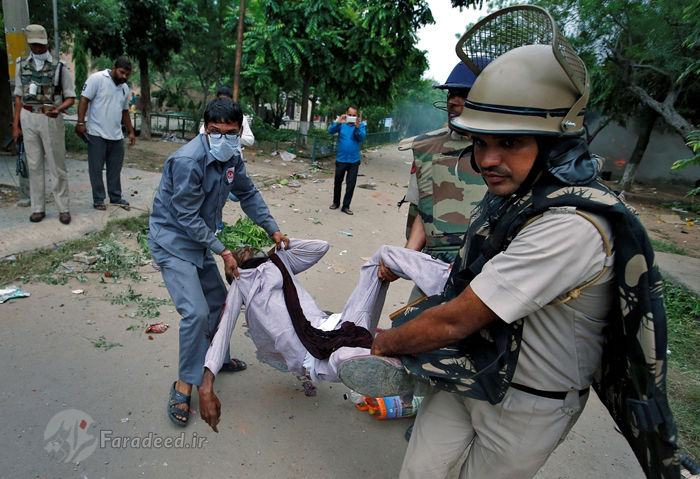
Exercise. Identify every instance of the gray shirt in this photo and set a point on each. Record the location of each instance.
(192, 193)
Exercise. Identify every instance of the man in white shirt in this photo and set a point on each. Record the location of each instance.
(261, 290)
(105, 99)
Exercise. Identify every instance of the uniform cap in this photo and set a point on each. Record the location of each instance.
(460, 77)
(36, 34)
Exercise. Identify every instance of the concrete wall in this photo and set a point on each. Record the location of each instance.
(616, 144)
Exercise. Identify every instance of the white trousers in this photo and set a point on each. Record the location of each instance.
(44, 138)
(367, 300)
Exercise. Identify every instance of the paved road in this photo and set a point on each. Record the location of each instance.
(270, 428)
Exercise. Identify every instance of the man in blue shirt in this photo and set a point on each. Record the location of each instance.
(193, 190)
(351, 132)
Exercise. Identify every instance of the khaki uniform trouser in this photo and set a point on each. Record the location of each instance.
(512, 439)
(44, 138)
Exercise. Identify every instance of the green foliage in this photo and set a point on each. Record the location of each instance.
(356, 51)
(693, 142)
(102, 343)
(47, 265)
(244, 233)
(117, 260)
(265, 132)
(147, 306)
(73, 143)
(667, 247)
(627, 42)
(683, 317)
(81, 64)
(319, 133)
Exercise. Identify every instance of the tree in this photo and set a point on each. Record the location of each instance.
(467, 3)
(642, 57)
(356, 50)
(207, 51)
(148, 31)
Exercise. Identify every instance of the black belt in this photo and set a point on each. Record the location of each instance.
(546, 394)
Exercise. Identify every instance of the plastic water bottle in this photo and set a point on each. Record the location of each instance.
(394, 407)
(357, 399)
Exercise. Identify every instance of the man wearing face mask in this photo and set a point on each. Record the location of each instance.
(105, 99)
(195, 185)
(43, 91)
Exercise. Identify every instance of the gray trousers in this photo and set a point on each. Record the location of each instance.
(199, 296)
(103, 152)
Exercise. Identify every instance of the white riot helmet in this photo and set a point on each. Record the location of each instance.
(535, 84)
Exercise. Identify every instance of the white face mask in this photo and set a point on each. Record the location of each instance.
(223, 148)
(40, 59)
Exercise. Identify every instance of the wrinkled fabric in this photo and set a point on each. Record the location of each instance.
(318, 342)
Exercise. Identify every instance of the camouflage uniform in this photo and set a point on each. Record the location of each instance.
(445, 199)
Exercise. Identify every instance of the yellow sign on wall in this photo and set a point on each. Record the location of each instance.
(16, 48)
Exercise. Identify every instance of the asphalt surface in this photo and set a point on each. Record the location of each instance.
(270, 428)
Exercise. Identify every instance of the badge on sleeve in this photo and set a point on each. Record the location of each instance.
(229, 175)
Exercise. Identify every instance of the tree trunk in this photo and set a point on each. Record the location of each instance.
(639, 149)
(306, 88)
(257, 109)
(145, 99)
(665, 109)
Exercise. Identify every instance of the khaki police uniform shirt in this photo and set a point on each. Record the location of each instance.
(561, 346)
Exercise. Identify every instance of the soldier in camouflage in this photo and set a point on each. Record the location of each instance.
(446, 187)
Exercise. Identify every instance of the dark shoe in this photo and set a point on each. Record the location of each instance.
(64, 218)
(376, 376)
(99, 206)
(176, 398)
(234, 366)
(347, 211)
(333, 207)
(408, 432)
(36, 217)
(121, 202)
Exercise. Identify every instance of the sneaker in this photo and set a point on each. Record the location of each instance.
(376, 376)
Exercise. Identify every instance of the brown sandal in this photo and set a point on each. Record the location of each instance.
(99, 206)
